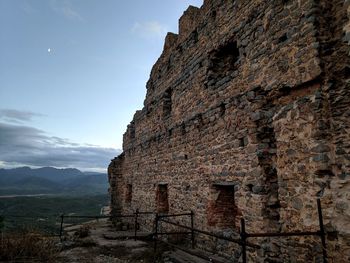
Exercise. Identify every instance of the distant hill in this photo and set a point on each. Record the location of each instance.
(49, 180)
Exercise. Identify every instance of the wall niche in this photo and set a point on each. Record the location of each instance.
(223, 64)
(222, 210)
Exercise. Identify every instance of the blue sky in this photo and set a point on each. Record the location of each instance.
(72, 74)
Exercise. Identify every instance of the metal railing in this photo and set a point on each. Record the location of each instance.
(135, 215)
(160, 218)
(242, 241)
(191, 230)
(320, 233)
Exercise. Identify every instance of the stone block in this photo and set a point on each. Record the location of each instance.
(260, 97)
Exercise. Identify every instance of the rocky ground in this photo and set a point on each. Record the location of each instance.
(99, 242)
(96, 242)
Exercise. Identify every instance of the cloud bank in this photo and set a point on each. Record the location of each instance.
(24, 145)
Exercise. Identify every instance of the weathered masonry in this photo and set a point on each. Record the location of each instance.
(247, 114)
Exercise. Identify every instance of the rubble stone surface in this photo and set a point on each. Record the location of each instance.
(247, 115)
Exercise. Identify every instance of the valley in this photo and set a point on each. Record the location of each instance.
(35, 199)
(42, 213)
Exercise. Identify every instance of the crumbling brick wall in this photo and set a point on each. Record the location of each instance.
(252, 94)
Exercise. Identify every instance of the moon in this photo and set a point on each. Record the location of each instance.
(49, 50)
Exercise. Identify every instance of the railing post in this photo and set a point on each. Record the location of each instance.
(322, 233)
(155, 236)
(61, 228)
(192, 230)
(136, 216)
(243, 239)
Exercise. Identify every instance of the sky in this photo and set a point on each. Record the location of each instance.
(72, 75)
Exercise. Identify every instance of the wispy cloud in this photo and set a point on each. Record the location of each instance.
(65, 8)
(24, 145)
(16, 116)
(27, 8)
(149, 29)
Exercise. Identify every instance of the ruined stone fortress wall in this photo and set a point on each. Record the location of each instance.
(247, 114)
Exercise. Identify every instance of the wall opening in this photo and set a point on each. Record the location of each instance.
(243, 141)
(132, 130)
(167, 103)
(283, 38)
(128, 193)
(222, 64)
(222, 210)
(162, 198)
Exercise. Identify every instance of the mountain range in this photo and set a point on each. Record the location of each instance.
(49, 180)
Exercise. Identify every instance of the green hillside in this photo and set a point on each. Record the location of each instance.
(43, 212)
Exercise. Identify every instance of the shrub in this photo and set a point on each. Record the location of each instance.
(83, 231)
(27, 246)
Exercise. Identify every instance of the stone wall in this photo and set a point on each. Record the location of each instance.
(250, 102)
